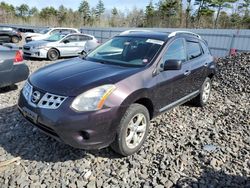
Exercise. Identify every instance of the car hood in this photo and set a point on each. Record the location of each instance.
(73, 77)
(37, 43)
(33, 34)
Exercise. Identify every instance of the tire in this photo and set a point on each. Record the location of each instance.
(202, 99)
(125, 135)
(53, 54)
(14, 39)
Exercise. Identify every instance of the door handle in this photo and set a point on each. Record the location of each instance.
(187, 72)
(206, 64)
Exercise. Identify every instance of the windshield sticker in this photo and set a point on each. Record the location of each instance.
(145, 61)
(155, 41)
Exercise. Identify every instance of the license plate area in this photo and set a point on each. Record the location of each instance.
(29, 114)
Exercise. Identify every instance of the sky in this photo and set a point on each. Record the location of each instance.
(74, 4)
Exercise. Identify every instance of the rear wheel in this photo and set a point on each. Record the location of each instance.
(53, 54)
(132, 131)
(202, 99)
(14, 39)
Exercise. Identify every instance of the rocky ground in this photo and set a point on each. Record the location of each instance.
(187, 146)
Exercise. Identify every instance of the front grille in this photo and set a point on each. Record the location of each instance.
(51, 101)
(26, 47)
(25, 53)
(37, 98)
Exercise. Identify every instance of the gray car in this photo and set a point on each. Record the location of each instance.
(61, 45)
(12, 67)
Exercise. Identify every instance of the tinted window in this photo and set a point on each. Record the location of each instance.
(71, 31)
(55, 31)
(6, 29)
(193, 50)
(176, 51)
(84, 38)
(73, 38)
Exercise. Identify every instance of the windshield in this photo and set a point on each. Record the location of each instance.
(126, 51)
(44, 31)
(55, 37)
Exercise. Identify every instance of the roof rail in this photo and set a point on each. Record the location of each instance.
(133, 31)
(183, 32)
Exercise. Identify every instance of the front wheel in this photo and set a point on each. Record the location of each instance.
(202, 99)
(132, 131)
(53, 54)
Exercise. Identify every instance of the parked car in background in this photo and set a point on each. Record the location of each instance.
(61, 45)
(9, 34)
(45, 33)
(12, 67)
(110, 96)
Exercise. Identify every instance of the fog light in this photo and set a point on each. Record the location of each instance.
(85, 135)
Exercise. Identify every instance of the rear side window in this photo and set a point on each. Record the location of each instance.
(84, 38)
(6, 29)
(176, 51)
(73, 38)
(193, 50)
(55, 31)
(71, 31)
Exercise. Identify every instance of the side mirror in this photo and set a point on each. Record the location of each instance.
(172, 64)
(66, 41)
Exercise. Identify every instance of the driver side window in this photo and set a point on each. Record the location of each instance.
(176, 51)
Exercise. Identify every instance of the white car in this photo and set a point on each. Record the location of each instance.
(45, 33)
(61, 45)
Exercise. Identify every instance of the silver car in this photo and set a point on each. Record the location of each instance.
(60, 45)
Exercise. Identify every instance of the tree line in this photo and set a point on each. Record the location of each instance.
(164, 13)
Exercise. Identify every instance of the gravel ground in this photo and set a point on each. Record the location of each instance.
(187, 146)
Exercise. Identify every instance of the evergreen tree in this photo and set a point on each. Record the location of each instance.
(219, 5)
(84, 11)
(22, 10)
(99, 9)
(149, 14)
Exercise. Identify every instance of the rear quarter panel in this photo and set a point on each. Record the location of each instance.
(6, 60)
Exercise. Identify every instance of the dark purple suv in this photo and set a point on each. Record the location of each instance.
(110, 96)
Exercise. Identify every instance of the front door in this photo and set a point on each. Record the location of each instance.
(69, 46)
(173, 84)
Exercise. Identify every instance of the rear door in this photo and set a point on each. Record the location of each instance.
(197, 63)
(173, 84)
(84, 43)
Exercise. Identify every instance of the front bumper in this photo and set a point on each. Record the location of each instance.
(88, 130)
(37, 53)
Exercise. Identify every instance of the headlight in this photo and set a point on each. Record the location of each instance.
(27, 90)
(93, 99)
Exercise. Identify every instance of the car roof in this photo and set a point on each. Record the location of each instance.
(83, 34)
(148, 34)
(62, 28)
(160, 35)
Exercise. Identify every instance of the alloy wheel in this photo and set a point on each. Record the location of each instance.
(206, 92)
(136, 130)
